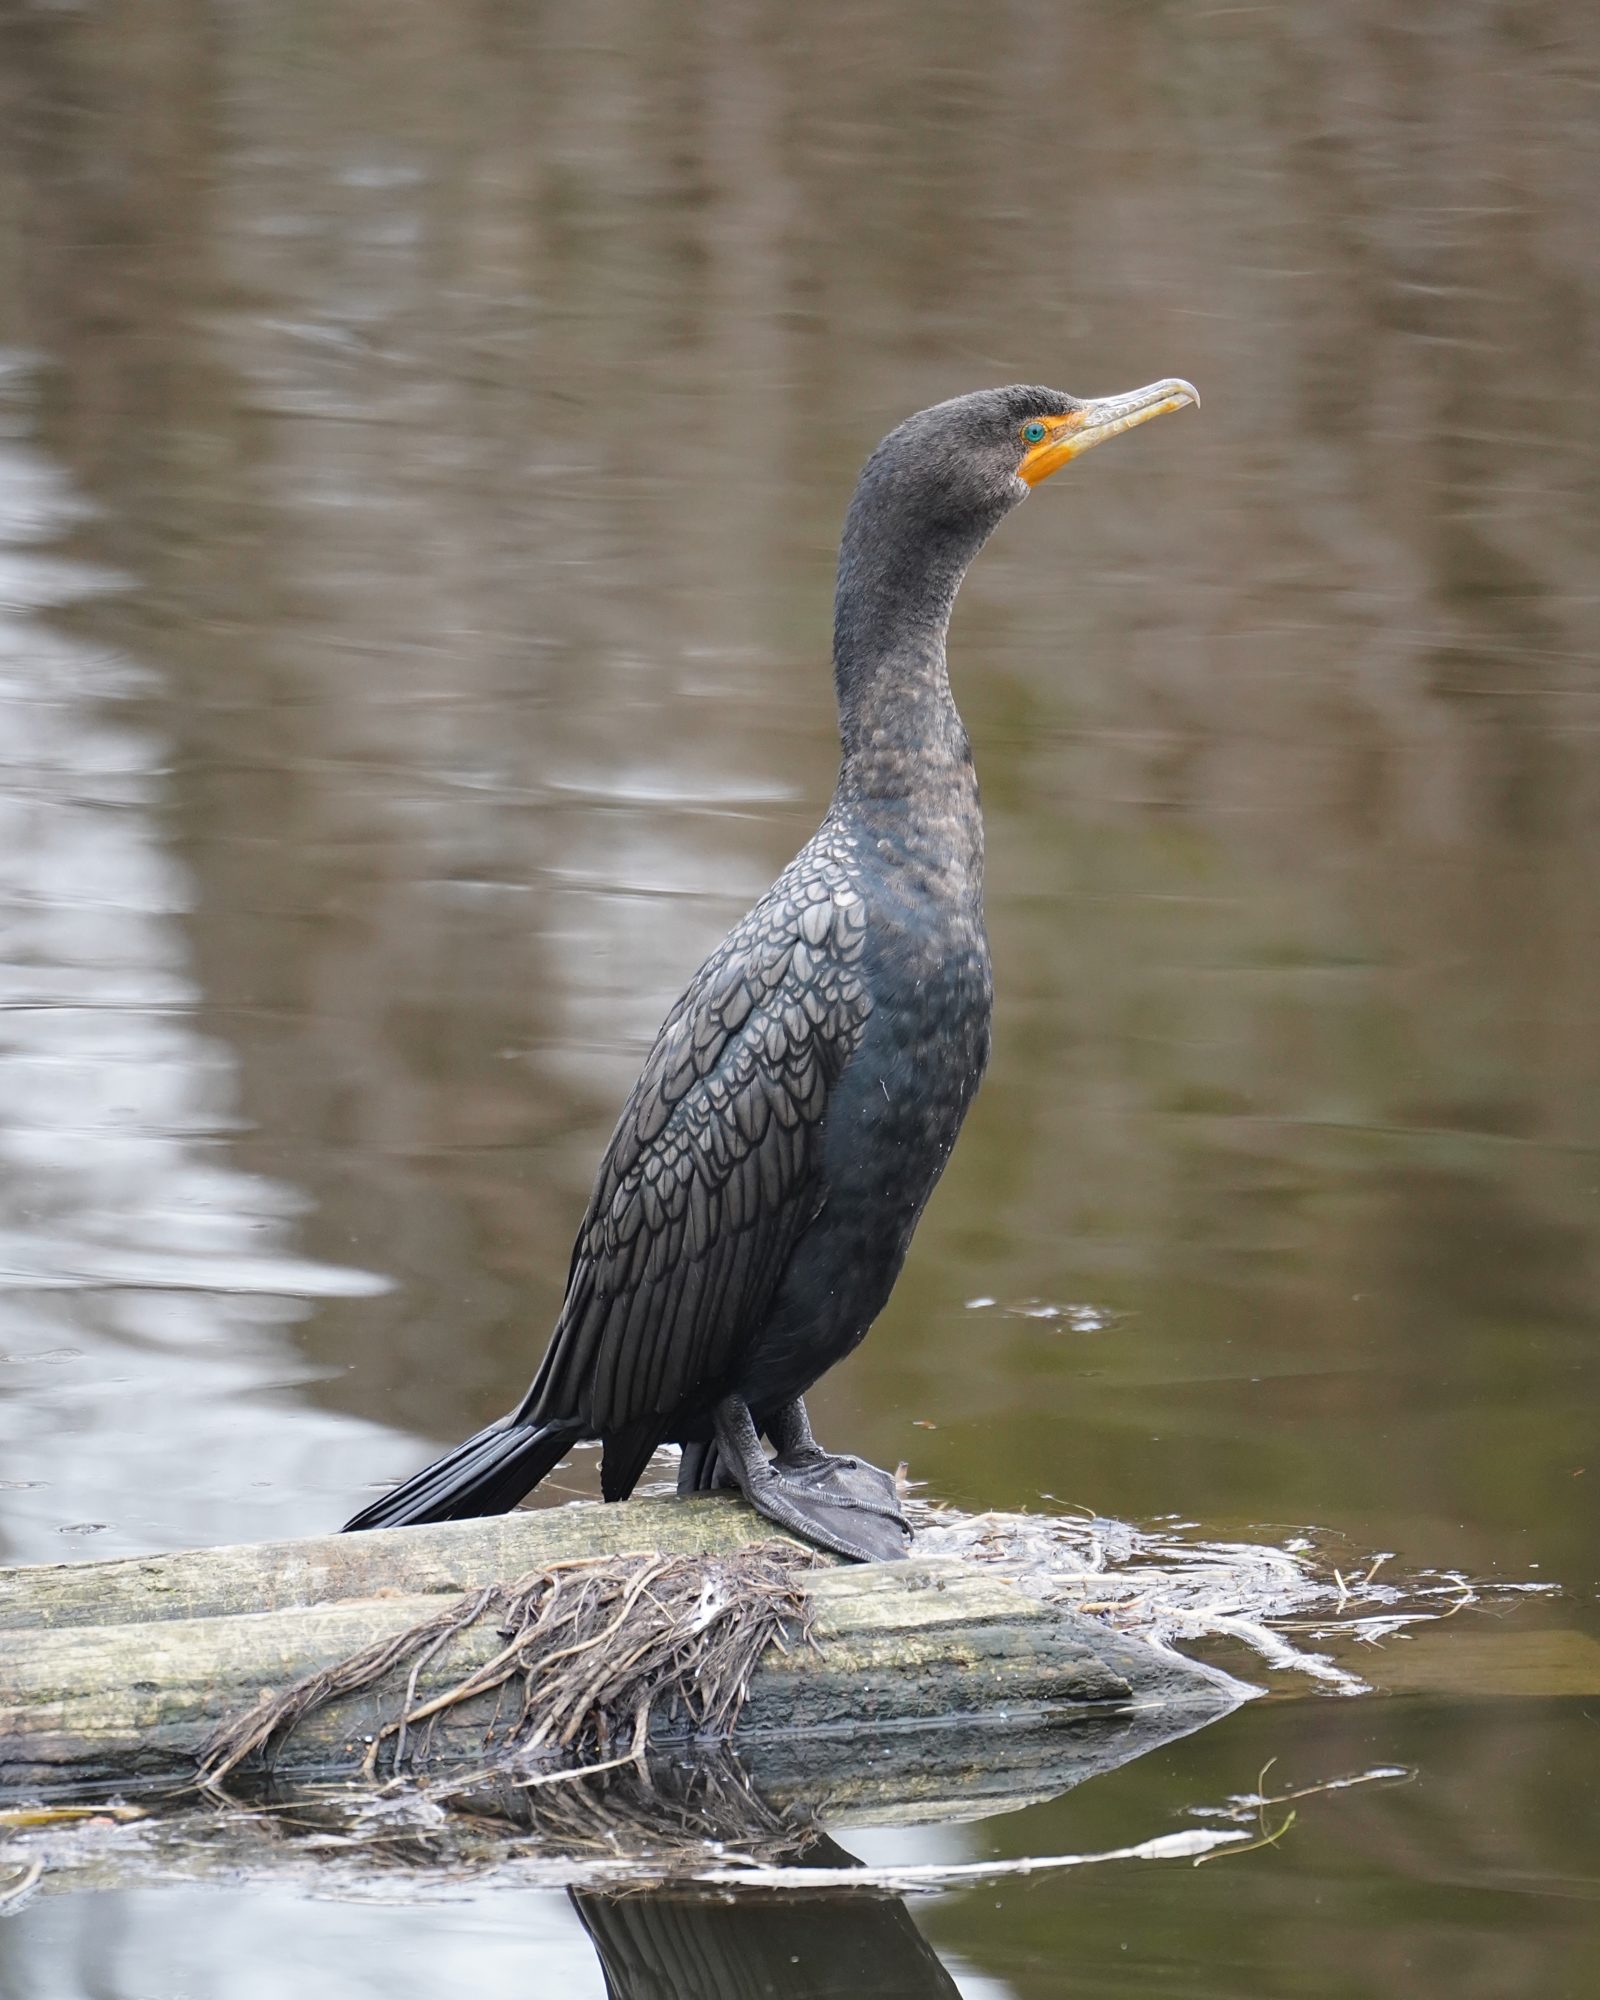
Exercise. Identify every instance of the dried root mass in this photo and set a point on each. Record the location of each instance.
(594, 1649)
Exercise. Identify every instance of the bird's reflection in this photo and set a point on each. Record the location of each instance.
(680, 1944)
(676, 1941)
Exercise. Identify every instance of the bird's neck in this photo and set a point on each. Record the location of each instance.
(902, 737)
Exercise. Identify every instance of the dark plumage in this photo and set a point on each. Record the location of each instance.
(758, 1195)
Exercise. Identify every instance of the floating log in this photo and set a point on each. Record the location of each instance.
(114, 1674)
(448, 1557)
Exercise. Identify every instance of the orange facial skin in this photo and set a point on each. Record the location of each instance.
(1072, 432)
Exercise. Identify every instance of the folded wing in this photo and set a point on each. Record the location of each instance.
(711, 1175)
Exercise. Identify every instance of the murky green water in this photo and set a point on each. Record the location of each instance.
(423, 431)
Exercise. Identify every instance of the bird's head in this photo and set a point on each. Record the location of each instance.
(977, 456)
(936, 488)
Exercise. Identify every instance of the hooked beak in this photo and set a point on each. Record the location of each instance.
(1077, 431)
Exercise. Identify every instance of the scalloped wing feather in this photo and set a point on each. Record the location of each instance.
(712, 1173)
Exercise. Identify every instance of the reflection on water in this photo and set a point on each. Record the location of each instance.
(144, 1278)
(420, 480)
(663, 1944)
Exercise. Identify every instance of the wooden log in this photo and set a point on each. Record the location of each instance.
(182, 1642)
(445, 1557)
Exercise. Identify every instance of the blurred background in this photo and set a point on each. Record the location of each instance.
(423, 434)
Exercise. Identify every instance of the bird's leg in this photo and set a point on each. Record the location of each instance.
(838, 1522)
(700, 1470)
(847, 1480)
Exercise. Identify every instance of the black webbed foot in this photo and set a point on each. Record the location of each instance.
(843, 1481)
(847, 1480)
(833, 1521)
(841, 1504)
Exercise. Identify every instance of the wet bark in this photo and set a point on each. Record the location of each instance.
(113, 1674)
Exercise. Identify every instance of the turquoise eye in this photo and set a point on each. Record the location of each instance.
(1033, 433)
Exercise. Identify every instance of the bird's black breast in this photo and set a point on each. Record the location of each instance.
(892, 1118)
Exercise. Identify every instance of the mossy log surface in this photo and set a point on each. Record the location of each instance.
(112, 1674)
(446, 1558)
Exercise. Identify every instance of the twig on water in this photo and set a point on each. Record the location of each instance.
(14, 1893)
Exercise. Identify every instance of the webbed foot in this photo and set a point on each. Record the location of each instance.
(838, 1523)
(841, 1504)
(844, 1480)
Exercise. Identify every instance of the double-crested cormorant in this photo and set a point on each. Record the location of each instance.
(758, 1195)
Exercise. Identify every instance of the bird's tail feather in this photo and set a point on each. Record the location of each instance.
(487, 1475)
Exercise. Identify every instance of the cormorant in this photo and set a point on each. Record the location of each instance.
(758, 1195)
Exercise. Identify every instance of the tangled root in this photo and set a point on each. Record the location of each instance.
(601, 1645)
